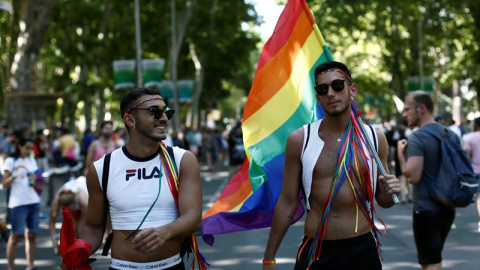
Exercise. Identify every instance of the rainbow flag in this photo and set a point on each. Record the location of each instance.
(281, 100)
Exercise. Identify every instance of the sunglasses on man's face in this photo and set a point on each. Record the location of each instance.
(157, 112)
(337, 86)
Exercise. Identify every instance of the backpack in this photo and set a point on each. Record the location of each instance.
(456, 183)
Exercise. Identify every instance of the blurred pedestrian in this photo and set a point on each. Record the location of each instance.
(101, 146)
(450, 123)
(209, 146)
(88, 138)
(420, 163)
(236, 149)
(472, 147)
(40, 150)
(24, 202)
(73, 195)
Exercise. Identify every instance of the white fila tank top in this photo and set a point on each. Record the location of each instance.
(133, 186)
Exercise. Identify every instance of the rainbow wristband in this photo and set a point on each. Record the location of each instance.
(269, 262)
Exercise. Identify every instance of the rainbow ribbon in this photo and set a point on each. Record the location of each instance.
(351, 155)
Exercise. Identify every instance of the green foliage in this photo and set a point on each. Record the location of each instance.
(85, 37)
(380, 40)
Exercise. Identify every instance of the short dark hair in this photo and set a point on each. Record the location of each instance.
(332, 65)
(104, 123)
(477, 121)
(421, 97)
(448, 118)
(130, 98)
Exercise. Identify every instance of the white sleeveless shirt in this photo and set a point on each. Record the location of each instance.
(133, 186)
(313, 149)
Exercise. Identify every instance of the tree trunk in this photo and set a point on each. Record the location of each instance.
(87, 97)
(200, 72)
(199, 75)
(177, 41)
(35, 20)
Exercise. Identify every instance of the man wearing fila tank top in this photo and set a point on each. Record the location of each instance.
(148, 227)
(329, 163)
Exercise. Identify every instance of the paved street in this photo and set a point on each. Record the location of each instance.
(244, 250)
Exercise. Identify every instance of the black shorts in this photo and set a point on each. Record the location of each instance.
(358, 253)
(430, 230)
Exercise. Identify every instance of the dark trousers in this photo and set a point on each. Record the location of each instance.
(358, 253)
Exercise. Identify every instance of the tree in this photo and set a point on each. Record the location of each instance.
(34, 22)
(84, 39)
(387, 43)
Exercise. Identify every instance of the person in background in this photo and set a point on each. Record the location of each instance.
(88, 138)
(101, 146)
(120, 136)
(40, 150)
(221, 150)
(209, 146)
(236, 151)
(471, 145)
(73, 195)
(64, 148)
(420, 162)
(450, 123)
(24, 201)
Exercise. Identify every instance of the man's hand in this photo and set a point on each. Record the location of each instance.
(55, 244)
(390, 183)
(148, 240)
(402, 145)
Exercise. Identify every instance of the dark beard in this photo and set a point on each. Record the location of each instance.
(145, 133)
(337, 113)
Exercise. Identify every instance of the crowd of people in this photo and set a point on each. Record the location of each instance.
(327, 162)
(23, 152)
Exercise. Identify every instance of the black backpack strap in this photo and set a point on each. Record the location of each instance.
(308, 138)
(105, 174)
(302, 188)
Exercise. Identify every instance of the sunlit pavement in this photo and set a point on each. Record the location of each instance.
(244, 250)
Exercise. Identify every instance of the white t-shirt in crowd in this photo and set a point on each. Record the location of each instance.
(21, 192)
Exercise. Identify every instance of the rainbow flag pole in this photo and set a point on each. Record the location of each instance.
(371, 149)
(281, 100)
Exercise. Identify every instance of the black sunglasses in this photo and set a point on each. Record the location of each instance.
(157, 112)
(337, 86)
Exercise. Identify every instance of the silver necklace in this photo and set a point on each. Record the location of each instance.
(339, 137)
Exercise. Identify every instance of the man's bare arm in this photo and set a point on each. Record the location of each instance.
(288, 201)
(94, 227)
(412, 168)
(189, 198)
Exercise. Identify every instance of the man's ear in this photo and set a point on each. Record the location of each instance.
(421, 108)
(129, 120)
(354, 89)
